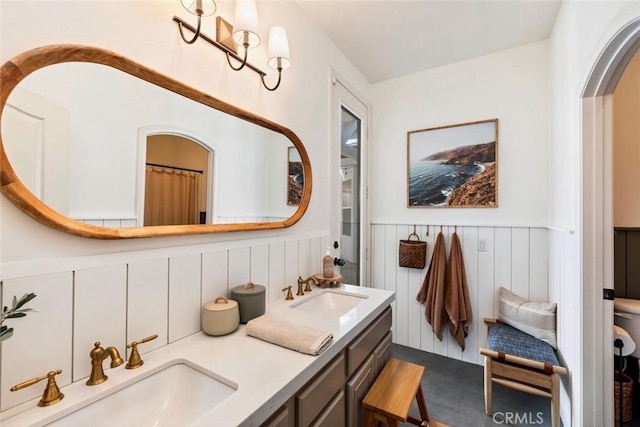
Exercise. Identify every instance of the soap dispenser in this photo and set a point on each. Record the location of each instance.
(327, 265)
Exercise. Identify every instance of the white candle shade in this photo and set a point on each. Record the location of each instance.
(208, 7)
(278, 48)
(246, 21)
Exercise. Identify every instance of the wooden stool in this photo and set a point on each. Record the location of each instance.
(390, 397)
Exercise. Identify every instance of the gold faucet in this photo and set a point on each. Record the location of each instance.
(289, 296)
(97, 355)
(134, 359)
(51, 393)
(307, 281)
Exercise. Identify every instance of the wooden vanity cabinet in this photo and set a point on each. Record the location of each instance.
(315, 396)
(283, 417)
(333, 398)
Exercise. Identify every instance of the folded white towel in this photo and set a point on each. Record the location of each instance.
(290, 335)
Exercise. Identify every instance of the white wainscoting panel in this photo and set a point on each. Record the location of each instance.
(260, 265)
(41, 341)
(215, 276)
(99, 314)
(513, 257)
(239, 266)
(148, 302)
(277, 267)
(184, 295)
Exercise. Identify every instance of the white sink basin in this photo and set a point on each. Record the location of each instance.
(330, 302)
(174, 396)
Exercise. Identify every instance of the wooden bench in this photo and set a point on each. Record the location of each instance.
(528, 374)
(390, 397)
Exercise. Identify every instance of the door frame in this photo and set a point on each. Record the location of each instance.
(334, 163)
(597, 219)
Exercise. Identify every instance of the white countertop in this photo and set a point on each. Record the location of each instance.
(265, 375)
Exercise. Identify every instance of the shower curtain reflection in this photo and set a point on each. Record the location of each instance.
(171, 196)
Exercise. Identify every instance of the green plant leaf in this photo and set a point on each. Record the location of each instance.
(25, 299)
(16, 315)
(5, 335)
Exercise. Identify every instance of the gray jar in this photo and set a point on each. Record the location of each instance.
(251, 300)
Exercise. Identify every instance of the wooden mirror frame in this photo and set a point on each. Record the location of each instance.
(15, 70)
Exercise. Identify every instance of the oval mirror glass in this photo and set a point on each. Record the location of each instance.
(97, 145)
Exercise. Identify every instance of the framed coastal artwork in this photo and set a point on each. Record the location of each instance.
(295, 177)
(453, 166)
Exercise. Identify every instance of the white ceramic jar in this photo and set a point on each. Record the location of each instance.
(220, 317)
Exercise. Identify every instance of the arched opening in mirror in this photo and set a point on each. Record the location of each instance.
(176, 190)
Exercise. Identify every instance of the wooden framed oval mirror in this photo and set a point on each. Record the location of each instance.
(85, 131)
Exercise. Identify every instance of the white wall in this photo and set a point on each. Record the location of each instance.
(626, 147)
(512, 86)
(581, 33)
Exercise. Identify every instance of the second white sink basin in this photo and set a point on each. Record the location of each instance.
(174, 396)
(330, 302)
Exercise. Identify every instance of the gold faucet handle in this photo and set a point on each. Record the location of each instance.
(300, 292)
(289, 296)
(134, 359)
(51, 393)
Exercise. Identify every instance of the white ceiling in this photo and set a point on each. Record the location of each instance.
(386, 39)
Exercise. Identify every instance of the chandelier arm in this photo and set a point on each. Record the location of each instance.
(196, 33)
(244, 61)
(277, 84)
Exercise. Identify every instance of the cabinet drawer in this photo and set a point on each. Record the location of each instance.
(284, 417)
(357, 388)
(333, 416)
(363, 346)
(317, 395)
(382, 353)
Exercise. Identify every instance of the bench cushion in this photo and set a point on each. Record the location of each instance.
(507, 339)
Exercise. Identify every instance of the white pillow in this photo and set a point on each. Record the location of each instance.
(534, 318)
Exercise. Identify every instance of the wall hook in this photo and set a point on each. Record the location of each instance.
(427, 230)
(414, 229)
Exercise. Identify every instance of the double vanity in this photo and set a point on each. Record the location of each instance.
(238, 380)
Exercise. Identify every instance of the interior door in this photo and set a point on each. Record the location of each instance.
(37, 140)
(348, 175)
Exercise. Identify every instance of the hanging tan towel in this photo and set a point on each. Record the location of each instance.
(432, 293)
(458, 305)
(290, 335)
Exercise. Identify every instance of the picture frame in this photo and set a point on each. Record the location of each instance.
(453, 166)
(295, 177)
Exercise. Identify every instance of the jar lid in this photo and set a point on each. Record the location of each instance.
(248, 289)
(221, 304)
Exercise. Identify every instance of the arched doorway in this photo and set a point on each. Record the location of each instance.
(176, 171)
(177, 151)
(597, 197)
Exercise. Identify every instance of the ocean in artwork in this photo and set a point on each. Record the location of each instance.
(431, 181)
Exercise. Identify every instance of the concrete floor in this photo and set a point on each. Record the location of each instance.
(454, 392)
